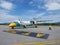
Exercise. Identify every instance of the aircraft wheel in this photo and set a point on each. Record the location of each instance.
(12, 27)
(24, 26)
(35, 26)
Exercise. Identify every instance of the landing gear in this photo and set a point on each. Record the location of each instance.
(24, 26)
(12, 27)
(35, 26)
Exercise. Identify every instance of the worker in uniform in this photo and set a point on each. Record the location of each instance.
(50, 28)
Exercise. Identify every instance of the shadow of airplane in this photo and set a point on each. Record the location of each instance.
(31, 34)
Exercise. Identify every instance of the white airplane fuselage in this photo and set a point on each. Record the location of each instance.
(21, 23)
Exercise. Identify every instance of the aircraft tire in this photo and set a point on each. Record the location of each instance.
(24, 26)
(12, 27)
(35, 26)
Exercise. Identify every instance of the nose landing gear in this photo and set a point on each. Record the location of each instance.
(12, 27)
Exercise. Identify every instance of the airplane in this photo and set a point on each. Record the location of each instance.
(18, 23)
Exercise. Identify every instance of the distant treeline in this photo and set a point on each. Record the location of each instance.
(53, 24)
(43, 24)
(4, 23)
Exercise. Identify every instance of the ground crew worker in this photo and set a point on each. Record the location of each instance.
(50, 28)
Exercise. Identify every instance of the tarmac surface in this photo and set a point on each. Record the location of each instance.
(53, 37)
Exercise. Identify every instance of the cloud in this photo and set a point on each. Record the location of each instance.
(51, 1)
(6, 5)
(40, 14)
(32, 14)
(5, 10)
(49, 15)
(49, 4)
(6, 17)
(54, 18)
(53, 6)
(31, 2)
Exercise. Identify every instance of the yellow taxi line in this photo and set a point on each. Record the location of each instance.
(41, 43)
(49, 42)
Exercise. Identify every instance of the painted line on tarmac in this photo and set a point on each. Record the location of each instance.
(41, 43)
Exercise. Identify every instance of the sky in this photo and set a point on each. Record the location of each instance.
(27, 9)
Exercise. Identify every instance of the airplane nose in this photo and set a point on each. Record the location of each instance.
(12, 25)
